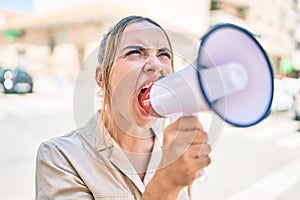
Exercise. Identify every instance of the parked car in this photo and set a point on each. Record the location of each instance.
(297, 107)
(282, 100)
(2, 71)
(16, 81)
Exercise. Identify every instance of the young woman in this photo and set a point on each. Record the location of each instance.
(123, 152)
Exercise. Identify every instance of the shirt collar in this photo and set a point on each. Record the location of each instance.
(96, 137)
(101, 142)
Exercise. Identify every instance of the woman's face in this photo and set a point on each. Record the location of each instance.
(143, 56)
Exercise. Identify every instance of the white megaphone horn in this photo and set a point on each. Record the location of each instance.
(232, 76)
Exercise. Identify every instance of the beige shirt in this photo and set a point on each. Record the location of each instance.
(85, 164)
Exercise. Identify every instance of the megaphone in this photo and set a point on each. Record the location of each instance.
(231, 76)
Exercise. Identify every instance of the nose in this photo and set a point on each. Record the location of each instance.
(153, 65)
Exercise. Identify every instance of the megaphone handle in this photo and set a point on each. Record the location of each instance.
(202, 177)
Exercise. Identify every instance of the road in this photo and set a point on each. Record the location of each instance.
(260, 162)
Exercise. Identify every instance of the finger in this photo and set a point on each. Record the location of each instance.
(191, 137)
(205, 150)
(186, 123)
(199, 151)
(201, 163)
(200, 137)
(186, 138)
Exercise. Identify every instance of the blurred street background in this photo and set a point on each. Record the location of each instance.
(51, 39)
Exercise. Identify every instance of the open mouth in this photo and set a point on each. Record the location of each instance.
(144, 98)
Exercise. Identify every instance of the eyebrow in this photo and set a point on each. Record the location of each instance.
(164, 49)
(143, 48)
(133, 47)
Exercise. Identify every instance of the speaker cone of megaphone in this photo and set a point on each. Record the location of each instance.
(231, 76)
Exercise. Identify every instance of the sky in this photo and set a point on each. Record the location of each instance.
(17, 5)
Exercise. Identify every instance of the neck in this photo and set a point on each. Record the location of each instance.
(125, 126)
(137, 150)
(132, 142)
(131, 138)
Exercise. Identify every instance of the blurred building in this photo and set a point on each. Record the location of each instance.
(59, 35)
(6, 15)
(274, 23)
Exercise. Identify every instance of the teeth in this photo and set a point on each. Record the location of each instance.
(146, 102)
(147, 85)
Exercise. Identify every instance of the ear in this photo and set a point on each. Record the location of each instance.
(98, 77)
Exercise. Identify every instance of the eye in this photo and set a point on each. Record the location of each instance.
(165, 54)
(133, 52)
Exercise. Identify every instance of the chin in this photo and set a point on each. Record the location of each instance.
(145, 122)
(142, 120)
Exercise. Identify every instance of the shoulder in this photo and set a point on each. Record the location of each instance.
(57, 174)
(75, 138)
(74, 147)
(55, 149)
(61, 142)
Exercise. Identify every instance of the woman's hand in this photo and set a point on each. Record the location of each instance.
(185, 151)
(185, 154)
